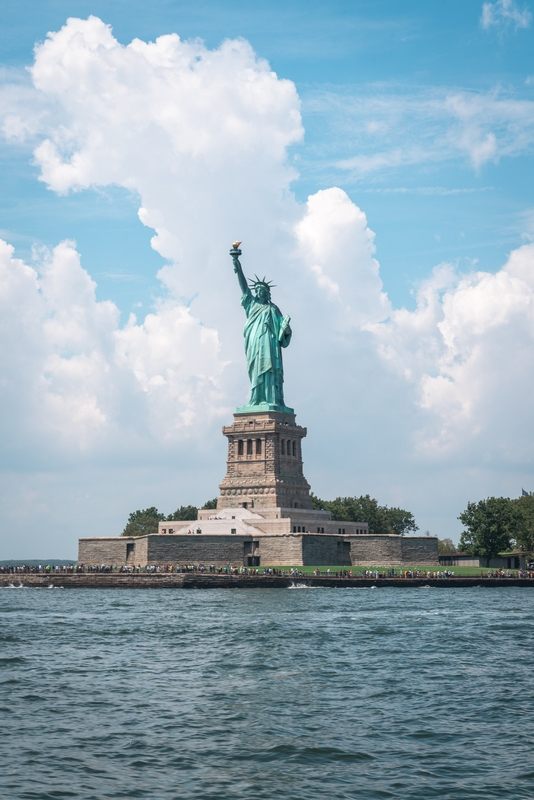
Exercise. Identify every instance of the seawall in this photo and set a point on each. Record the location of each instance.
(184, 580)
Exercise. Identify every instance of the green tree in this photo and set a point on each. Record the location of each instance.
(446, 546)
(184, 513)
(524, 535)
(400, 521)
(357, 509)
(317, 503)
(142, 522)
(210, 504)
(490, 526)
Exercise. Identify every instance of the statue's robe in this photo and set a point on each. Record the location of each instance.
(263, 342)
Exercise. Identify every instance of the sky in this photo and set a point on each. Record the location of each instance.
(376, 160)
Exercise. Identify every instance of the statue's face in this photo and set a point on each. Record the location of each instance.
(262, 293)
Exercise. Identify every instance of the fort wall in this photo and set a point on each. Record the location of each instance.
(419, 550)
(219, 550)
(383, 550)
(113, 550)
(318, 550)
(393, 550)
(282, 549)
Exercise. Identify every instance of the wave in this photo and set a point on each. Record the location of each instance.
(302, 586)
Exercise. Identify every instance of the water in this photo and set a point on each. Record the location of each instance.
(314, 693)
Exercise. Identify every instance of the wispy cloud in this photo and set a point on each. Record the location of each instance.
(385, 128)
(427, 190)
(505, 13)
(392, 158)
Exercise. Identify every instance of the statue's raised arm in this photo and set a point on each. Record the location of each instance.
(266, 332)
(235, 252)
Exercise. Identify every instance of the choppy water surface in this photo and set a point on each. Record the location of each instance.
(322, 693)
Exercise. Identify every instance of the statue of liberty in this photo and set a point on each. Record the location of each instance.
(266, 332)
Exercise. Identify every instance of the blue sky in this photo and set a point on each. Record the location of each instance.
(422, 114)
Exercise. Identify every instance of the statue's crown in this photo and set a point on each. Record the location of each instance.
(259, 282)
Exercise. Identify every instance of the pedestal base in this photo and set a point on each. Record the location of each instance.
(264, 467)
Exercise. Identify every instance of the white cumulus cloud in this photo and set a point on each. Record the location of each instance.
(200, 135)
(72, 374)
(468, 351)
(338, 247)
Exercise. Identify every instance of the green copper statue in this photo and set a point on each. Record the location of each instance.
(266, 332)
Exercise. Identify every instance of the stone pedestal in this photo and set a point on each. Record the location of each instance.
(264, 466)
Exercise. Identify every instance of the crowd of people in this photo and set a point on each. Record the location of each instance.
(293, 572)
(38, 569)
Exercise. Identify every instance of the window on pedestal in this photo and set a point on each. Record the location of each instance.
(240, 447)
(283, 446)
(294, 448)
(258, 447)
(249, 447)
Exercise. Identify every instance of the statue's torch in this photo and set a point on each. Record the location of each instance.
(235, 252)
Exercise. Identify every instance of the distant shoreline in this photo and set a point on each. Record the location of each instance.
(98, 580)
(35, 562)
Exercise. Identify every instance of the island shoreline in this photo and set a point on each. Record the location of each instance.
(185, 580)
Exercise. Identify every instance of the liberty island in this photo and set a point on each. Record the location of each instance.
(265, 513)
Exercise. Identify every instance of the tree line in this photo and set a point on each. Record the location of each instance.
(381, 519)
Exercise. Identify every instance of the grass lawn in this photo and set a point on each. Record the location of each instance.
(358, 571)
